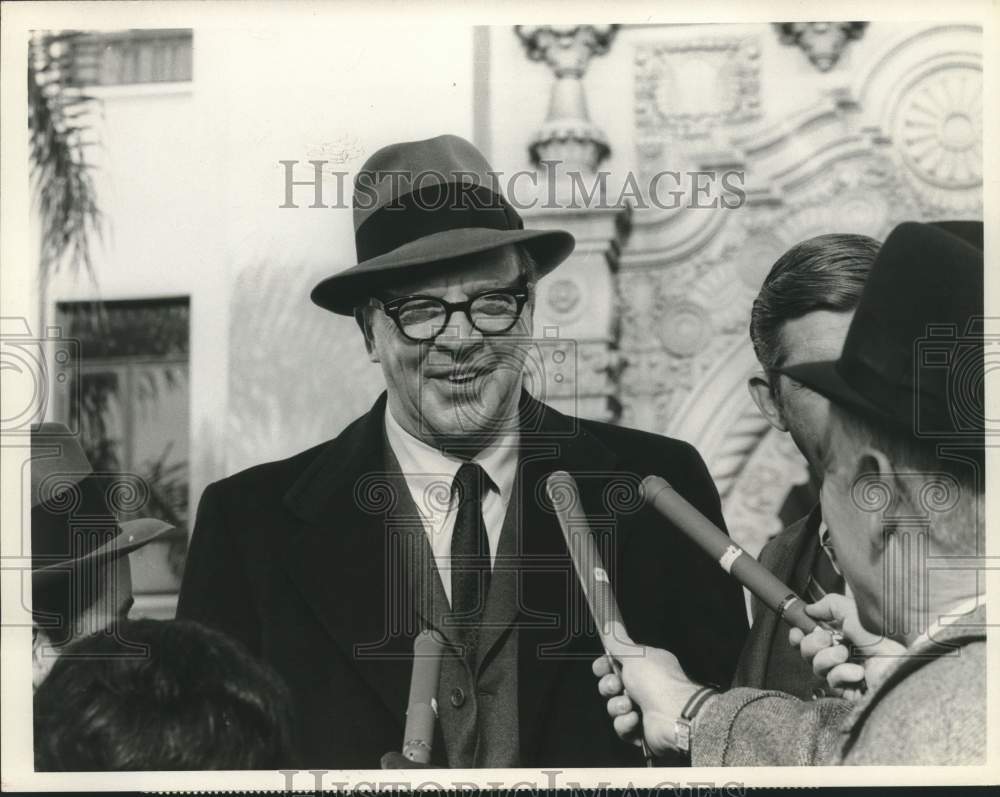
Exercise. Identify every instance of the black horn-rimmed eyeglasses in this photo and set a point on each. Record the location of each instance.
(423, 318)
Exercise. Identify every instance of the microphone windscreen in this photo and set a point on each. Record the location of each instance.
(587, 560)
(418, 737)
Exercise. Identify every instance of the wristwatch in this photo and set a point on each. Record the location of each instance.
(682, 725)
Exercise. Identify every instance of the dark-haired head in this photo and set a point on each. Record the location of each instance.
(155, 695)
(802, 314)
(827, 272)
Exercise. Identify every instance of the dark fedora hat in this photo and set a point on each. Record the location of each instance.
(913, 356)
(420, 203)
(73, 521)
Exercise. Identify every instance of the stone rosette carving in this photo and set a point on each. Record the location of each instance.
(676, 323)
(568, 136)
(937, 126)
(822, 42)
(686, 328)
(564, 298)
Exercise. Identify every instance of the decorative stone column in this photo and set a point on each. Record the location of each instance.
(577, 311)
(567, 136)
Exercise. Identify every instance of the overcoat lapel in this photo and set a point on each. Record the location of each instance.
(417, 567)
(347, 563)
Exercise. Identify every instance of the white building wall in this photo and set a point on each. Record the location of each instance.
(190, 181)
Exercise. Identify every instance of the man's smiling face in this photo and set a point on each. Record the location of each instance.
(463, 385)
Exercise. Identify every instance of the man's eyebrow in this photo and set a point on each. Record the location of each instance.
(507, 286)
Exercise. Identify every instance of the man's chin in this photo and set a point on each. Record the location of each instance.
(463, 419)
(463, 429)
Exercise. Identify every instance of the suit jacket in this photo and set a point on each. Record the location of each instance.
(767, 660)
(297, 560)
(929, 710)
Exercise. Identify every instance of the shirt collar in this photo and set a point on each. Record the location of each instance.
(421, 462)
(955, 614)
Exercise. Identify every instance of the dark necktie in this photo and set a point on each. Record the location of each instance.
(470, 556)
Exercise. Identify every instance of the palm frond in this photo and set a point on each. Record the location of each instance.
(60, 136)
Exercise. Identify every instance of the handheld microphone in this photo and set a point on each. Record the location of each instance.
(565, 496)
(778, 597)
(421, 710)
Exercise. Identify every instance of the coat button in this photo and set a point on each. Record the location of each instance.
(457, 697)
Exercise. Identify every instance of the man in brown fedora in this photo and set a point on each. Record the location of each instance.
(903, 494)
(430, 510)
(81, 580)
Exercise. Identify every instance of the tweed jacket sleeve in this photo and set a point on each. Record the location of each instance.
(752, 727)
(931, 709)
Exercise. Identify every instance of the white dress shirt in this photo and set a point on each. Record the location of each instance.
(429, 475)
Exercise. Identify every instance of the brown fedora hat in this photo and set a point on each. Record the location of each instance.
(419, 203)
(72, 521)
(913, 356)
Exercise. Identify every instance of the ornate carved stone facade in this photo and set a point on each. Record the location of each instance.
(897, 136)
(685, 89)
(822, 42)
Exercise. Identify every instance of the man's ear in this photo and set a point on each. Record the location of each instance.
(875, 487)
(763, 397)
(363, 317)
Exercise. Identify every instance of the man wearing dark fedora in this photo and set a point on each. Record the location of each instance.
(903, 495)
(430, 510)
(81, 579)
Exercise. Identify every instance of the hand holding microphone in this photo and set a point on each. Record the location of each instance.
(655, 683)
(849, 676)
